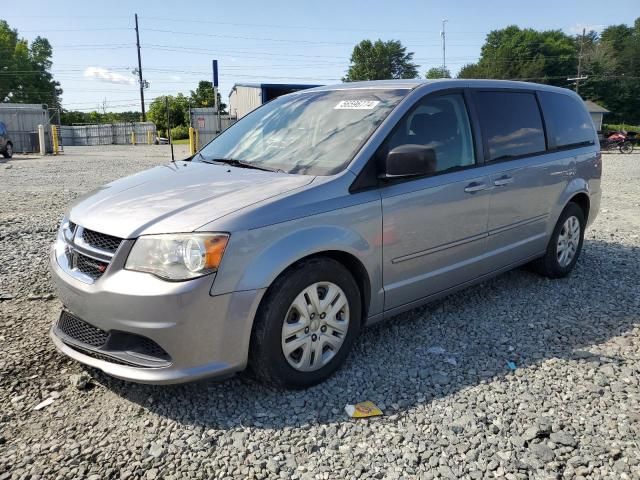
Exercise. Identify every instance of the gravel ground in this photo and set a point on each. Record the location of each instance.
(453, 408)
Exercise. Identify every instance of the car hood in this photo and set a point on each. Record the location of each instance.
(178, 197)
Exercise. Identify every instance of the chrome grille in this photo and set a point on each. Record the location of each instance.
(81, 331)
(86, 254)
(89, 266)
(101, 241)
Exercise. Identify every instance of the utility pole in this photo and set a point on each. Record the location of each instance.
(580, 60)
(166, 105)
(214, 65)
(140, 80)
(579, 77)
(444, 57)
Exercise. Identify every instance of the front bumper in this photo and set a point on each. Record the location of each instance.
(204, 335)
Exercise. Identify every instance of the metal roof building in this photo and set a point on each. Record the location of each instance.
(245, 97)
(597, 112)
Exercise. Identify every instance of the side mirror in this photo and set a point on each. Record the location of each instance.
(410, 161)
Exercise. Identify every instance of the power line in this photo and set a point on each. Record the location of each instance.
(93, 29)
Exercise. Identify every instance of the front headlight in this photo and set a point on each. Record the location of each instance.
(179, 256)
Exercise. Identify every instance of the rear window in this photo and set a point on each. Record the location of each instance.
(568, 123)
(511, 124)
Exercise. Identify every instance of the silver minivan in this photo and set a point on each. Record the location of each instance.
(319, 213)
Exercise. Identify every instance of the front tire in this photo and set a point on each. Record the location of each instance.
(565, 244)
(626, 147)
(306, 324)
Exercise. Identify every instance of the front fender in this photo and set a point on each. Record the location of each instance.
(258, 256)
(289, 249)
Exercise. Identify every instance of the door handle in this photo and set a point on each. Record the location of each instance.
(502, 181)
(474, 187)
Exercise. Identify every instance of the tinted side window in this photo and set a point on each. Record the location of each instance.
(511, 124)
(568, 122)
(441, 123)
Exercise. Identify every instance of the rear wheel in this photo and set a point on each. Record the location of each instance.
(306, 324)
(8, 151)
(626, 147)
(565, 244)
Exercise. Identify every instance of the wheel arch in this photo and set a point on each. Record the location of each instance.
(577, 191)
(351, 263)
(583, 201)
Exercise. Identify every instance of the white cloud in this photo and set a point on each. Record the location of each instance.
(577, 28)
(104, 75)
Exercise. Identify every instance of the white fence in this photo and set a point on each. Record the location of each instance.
(22, 122)
(205, 121)
(108, 134)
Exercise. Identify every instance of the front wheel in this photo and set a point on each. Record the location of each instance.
(626, 147)
(565, 244)
(306, 324)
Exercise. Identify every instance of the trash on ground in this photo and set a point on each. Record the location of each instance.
(43, 404)
(363, 410)
(511, 365)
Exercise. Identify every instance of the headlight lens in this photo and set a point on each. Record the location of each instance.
(178, 257)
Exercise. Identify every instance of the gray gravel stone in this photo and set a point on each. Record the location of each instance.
(569, 410)
(542, 451)
(563, 438)
(81, 381)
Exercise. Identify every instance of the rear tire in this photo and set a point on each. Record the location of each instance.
(284, 299)
(8, 151)
(564, 245)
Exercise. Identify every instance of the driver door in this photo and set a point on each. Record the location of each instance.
(435, 226)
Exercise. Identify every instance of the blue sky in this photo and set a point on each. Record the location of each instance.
(266, 41)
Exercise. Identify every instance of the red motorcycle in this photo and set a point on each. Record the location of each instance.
(617, 141)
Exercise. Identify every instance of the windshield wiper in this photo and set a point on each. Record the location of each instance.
(238, 163)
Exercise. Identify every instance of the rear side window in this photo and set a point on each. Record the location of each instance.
(511, 124)
(568, 123)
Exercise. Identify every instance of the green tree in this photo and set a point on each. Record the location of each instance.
(437, 72)
(380, 61)
(611, 63)
(178, 111)
(26, 75)
(70, 117)
(512, 53)
(202, 96)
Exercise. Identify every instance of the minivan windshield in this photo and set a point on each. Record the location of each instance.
(311, 133)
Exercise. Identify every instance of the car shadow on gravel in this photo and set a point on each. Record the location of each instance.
(471, 338)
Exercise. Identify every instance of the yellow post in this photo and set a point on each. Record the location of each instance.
(54, 136)
(149, 137)
(133, 138)
(192, 141)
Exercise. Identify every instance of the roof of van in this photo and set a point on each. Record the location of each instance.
(452, 82)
